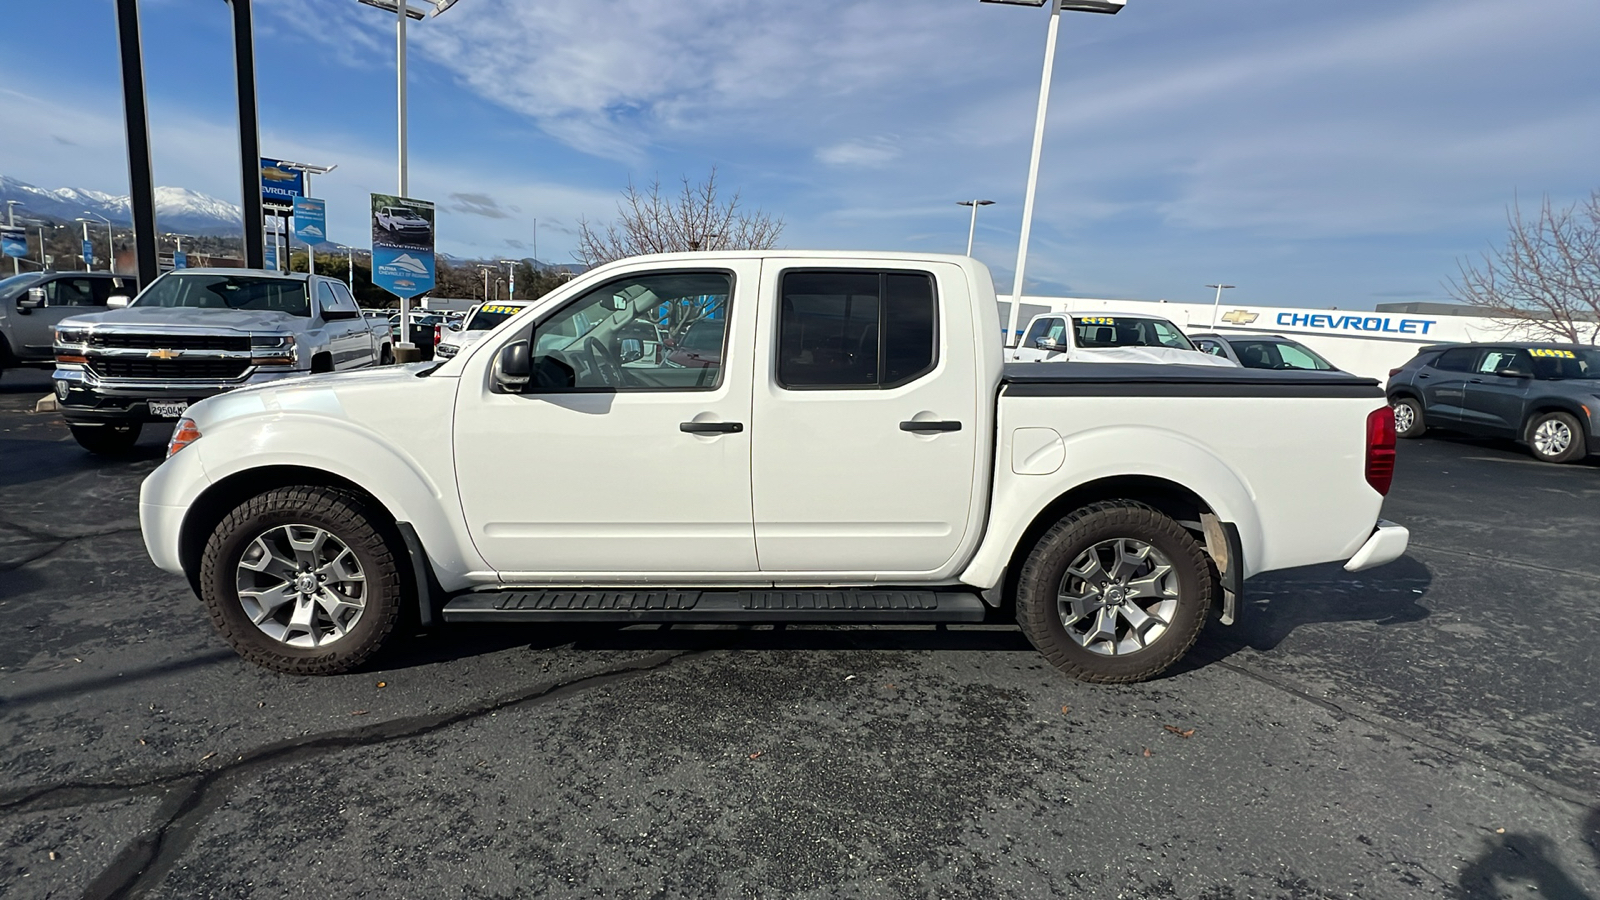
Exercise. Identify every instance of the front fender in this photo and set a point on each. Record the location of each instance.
(1105, 453)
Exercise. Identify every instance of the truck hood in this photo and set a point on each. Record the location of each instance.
(1163, 355)
(312, 393)
(188, 318)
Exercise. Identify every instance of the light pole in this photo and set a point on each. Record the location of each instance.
(11, 219)
(973, 228)
(486, 270)
(402, 10)
(1056, 7)
(511, 287)
(350, 280)
(1218, 302)
(111, 251)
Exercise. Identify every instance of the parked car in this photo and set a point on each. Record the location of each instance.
(403, 221)
(1262, 351)
(453, 337)
(33, 303)
(1108, 338)
(422, 329)
(194, 333)
(541, 478)
(1546, 396)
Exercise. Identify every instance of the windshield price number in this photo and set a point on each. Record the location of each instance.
(1097, 320)
(1553, 354)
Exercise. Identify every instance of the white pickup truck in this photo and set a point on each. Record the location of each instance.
(1104, 337)
(857, 452)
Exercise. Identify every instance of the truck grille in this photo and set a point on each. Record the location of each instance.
(209, 369)
(169, 341)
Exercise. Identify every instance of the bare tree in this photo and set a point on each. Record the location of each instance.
(696, 218)
(1547, 276)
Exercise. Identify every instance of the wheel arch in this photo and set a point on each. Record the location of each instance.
(1549, 405)
(1168, 497)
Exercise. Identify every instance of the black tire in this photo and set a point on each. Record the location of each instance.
(1414, 408)
(1044, 575)
(106, 440)
(353, 521)
(386, 356)
(1556, 437)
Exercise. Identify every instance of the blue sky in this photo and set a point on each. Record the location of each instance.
(1317, 154)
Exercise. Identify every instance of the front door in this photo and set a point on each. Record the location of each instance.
(619, 459)
(1495, 400)
(64, 296)
(866, 431)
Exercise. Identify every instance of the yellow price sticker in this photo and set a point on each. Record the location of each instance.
(1098, 320)
(1554, 354)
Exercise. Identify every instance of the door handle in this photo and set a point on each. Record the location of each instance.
(711, 427)
(915, 426)
(1424, 375)
(1477, 381)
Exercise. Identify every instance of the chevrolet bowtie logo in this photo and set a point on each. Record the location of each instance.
(164, 354)
(1239, 317)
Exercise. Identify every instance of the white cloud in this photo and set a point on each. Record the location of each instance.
(855, 152)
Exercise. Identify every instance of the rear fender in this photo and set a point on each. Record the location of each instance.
(1105, 455)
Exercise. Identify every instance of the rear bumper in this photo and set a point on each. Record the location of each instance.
(1387, 544)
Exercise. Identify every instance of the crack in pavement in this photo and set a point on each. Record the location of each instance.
(55, 541)
(1554, 789)
(1483, 557)
(190, 797)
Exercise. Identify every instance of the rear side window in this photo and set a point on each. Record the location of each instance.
(1459, 359)
(856, 329)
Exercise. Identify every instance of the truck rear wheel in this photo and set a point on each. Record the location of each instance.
(1115, 592)
(303, 580)
(106, 440)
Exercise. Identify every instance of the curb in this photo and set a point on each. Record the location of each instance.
(47, 403)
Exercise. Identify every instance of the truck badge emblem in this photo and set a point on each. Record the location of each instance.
(165, 354)
(1239, 317)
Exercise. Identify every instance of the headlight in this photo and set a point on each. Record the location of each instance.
(272, 349)
(71, 335)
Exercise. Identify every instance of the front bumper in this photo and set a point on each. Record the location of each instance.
(85, 399)
(1387, 544)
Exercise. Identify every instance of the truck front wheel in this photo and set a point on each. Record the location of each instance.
(303, 580)
(106, 440)
(1115, 592)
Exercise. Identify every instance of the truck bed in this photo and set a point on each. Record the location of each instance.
(1072, 379)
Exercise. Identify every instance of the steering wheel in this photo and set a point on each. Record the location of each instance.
(605, 365)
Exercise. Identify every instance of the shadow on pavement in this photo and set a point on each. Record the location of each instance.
(1278, 603)
(82, 686)
(1515, 859)
(459, 641)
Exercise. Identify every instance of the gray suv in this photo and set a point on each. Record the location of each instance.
(31, 305)
(1546, 396)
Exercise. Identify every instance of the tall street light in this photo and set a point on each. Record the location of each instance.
(511, 290)
(973, 228)
(405, 349)
(11, 219)
(111, 250)
(1056, 7)
(1218, 302)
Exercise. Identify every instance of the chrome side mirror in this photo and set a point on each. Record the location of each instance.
(118, 301)
(31, 301)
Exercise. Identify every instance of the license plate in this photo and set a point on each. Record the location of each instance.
(169, 410)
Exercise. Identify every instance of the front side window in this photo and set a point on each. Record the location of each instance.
(1039, 330)
(1498, 360)
(71, 292)
(856, 329)
(660, 331)
(228, 292)
(1214, 348)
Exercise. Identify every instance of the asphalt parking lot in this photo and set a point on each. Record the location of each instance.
(1425, 729)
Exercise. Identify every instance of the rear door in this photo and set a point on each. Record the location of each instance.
(865, 424)
(1443, 383)
(347, 334)
(1495, 401)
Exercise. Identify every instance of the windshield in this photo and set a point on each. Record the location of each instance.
(1127, 331)
(489, 316)
(1278, 354)
(227, 292)
(1552, 364)
(15, 283)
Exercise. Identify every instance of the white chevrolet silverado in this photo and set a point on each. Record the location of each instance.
(1102, 337)
(854, 451)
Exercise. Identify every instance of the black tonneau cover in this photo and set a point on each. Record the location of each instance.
(1081, 379)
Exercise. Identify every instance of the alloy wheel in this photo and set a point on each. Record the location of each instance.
(1118, 597)
(301, 585)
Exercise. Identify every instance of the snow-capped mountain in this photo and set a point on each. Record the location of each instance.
(177, 209)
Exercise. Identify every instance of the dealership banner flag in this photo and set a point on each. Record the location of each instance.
(402, 245)
(13, 240)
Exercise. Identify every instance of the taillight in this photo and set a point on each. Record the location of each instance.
(1380, 449)
(438, 332)
(1394, 372)
(183, 435)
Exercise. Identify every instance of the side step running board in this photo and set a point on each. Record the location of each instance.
(846, 606)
